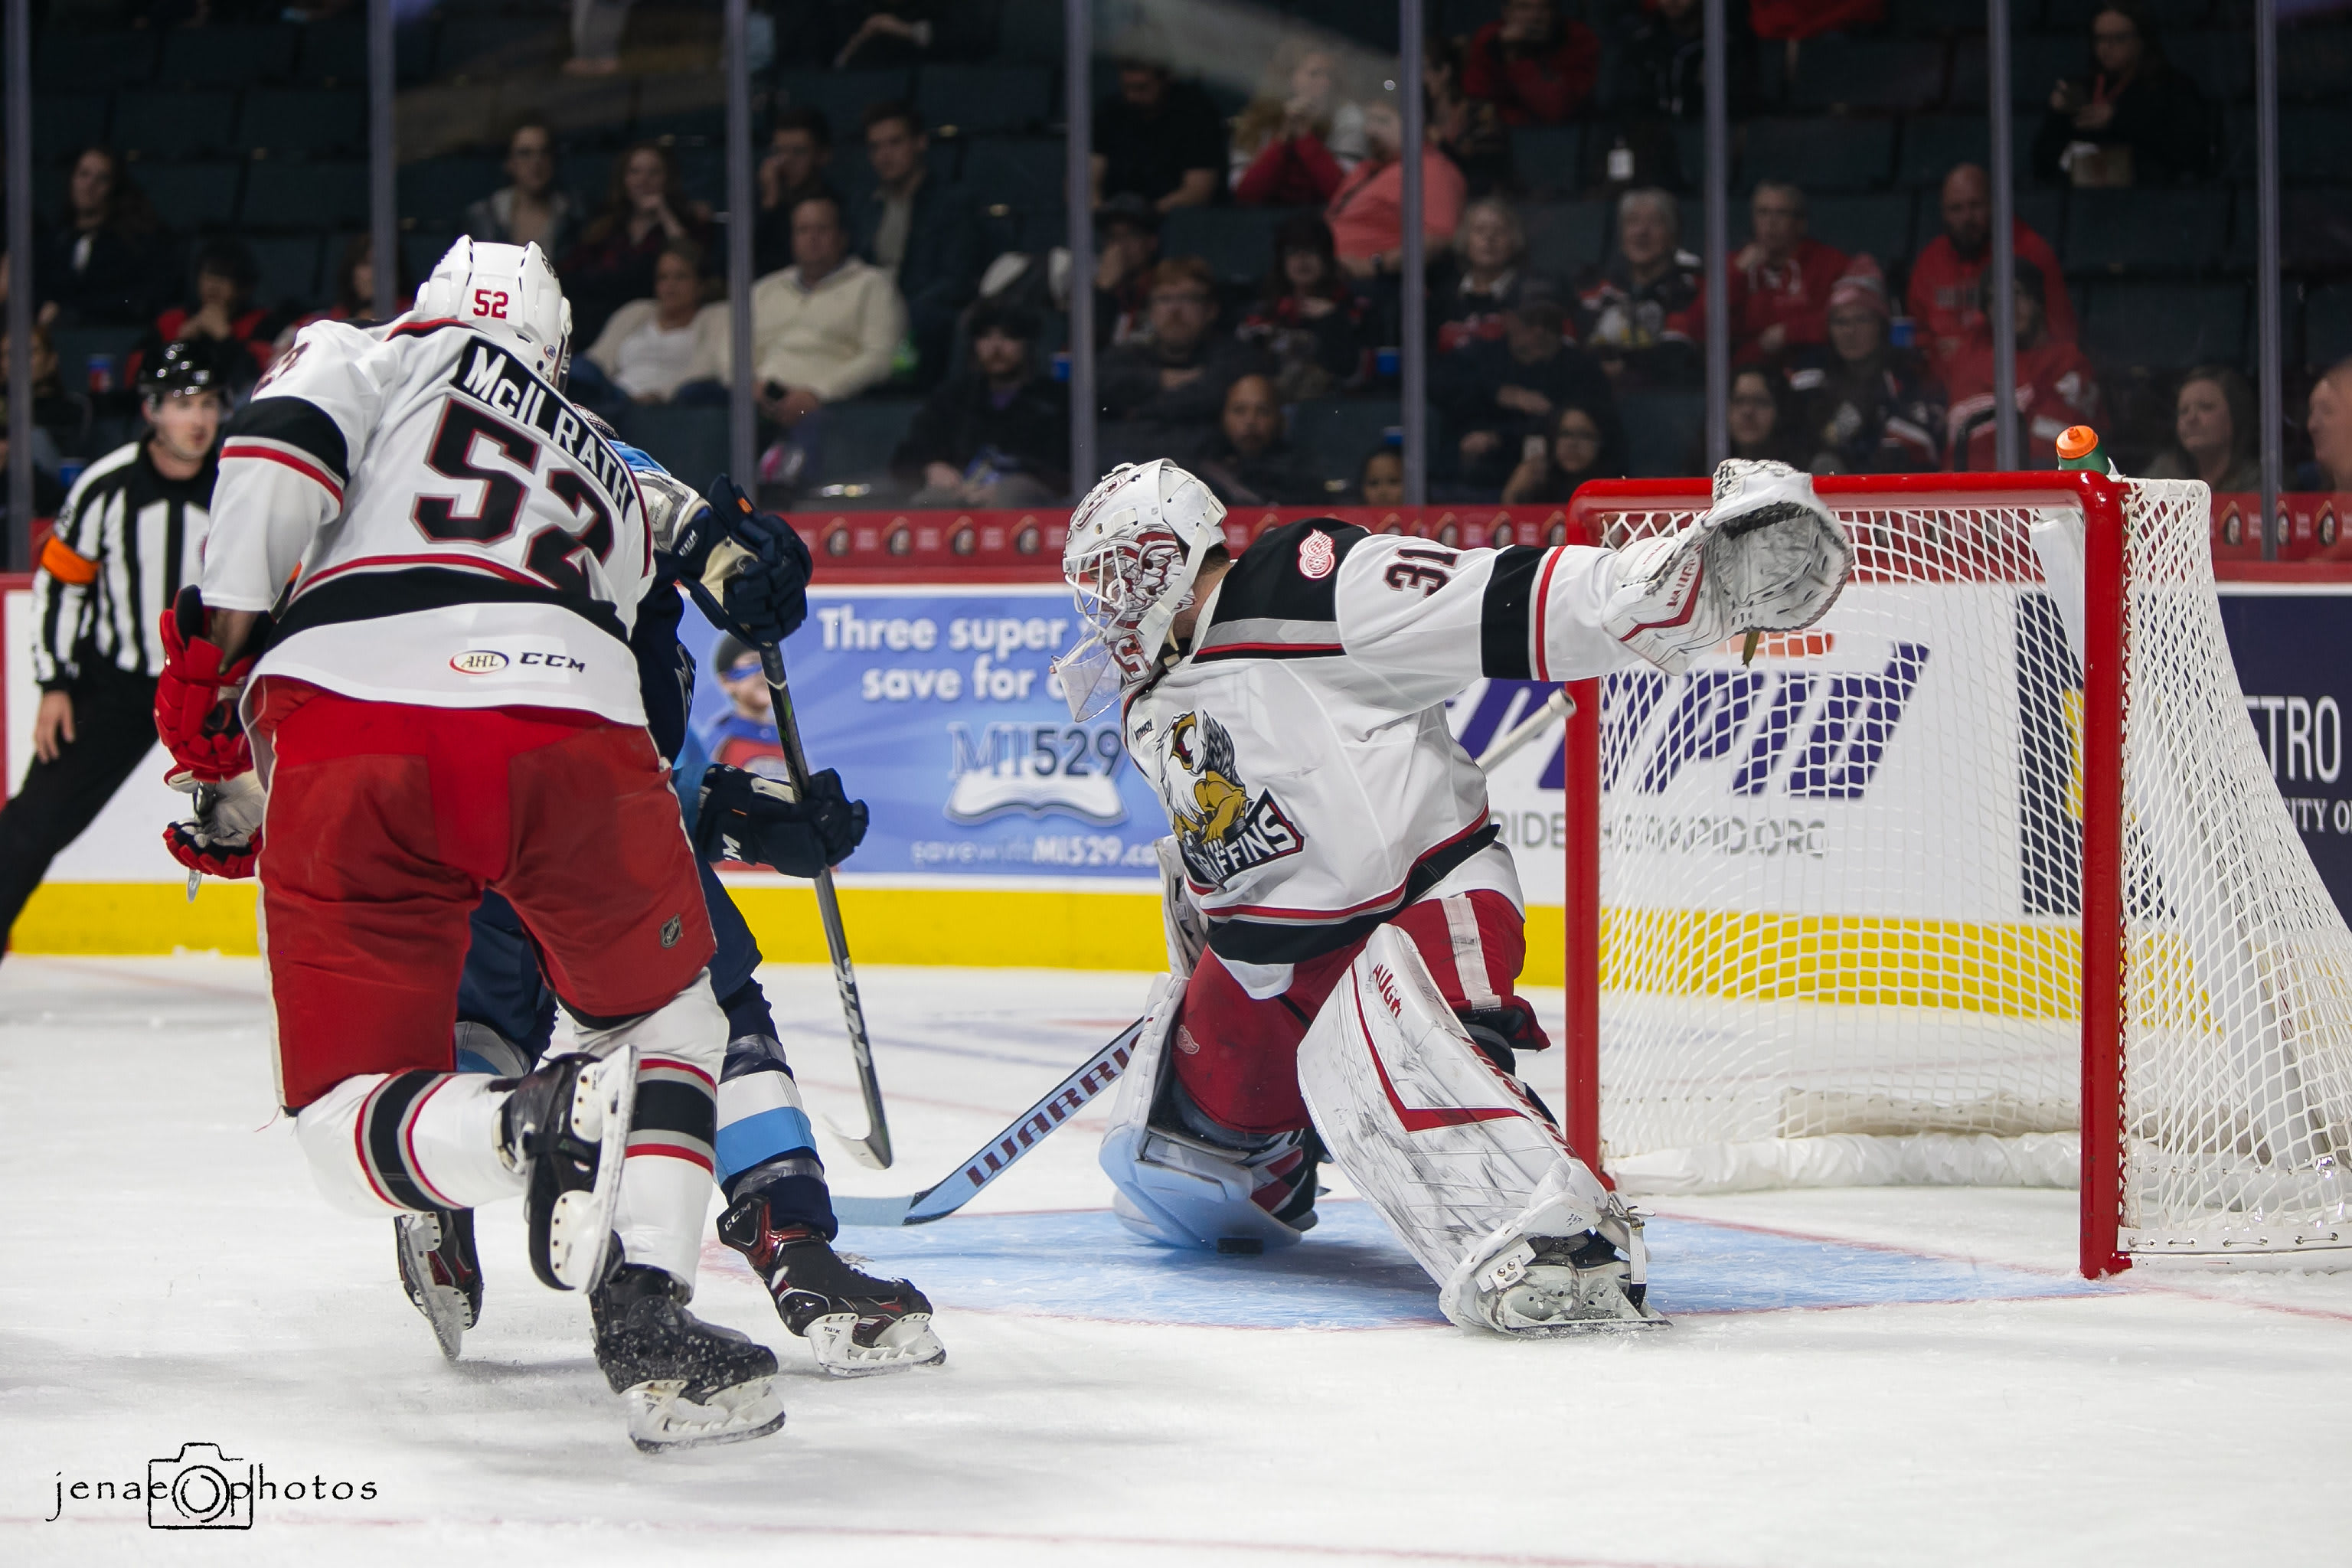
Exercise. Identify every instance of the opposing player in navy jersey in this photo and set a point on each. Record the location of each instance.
(1345, 928)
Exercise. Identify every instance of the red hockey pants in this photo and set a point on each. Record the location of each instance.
(386, 820)
(1238, 1057)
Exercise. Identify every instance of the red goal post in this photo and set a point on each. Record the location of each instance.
(1888, 1004)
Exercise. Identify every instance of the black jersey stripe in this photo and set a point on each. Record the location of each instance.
(1506, 617)
(371, 596)
(1268, 583)
(297, 423)
(1295, 942)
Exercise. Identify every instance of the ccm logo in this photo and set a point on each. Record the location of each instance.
(490, 302)
(478, 661)
(1385, 983)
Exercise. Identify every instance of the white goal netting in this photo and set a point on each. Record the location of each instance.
(1841, 895)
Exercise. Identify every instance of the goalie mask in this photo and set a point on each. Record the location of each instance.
(508, 292)
(1136, 545)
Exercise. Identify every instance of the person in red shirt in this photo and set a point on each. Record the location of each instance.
(238, 335)
(1779, 280)
(1795, 19)
(2056, 387)
(1367, 212)
(1948, 280)
(1535, 66)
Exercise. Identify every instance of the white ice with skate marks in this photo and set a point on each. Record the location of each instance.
(176, 1280)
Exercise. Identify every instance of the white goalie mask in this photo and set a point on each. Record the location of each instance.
(1136, 545)
(506, 292)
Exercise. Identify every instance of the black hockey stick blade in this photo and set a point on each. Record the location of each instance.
(943, 1198)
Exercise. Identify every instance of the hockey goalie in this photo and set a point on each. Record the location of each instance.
(1345, 929)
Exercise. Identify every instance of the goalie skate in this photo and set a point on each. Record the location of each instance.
(854, 1324)
(440, 1271)
(568, 1126)
(1547, 1287)
(690, 1384)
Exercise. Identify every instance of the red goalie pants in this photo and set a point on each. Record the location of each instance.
(1238, 1057)
(386, 820)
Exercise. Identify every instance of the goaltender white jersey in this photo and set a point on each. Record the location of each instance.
(432, 524)
(1301, 746)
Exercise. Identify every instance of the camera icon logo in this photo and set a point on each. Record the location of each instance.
(202, 1489)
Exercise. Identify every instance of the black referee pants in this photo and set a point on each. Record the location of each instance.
(114, 728)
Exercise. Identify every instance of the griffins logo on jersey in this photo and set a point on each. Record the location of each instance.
(1220, 830)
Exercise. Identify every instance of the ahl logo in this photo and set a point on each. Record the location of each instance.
(478, 661)
(1317, 555)
(1385, 983)
(1220, 831)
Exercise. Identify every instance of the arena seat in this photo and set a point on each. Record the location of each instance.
(1663, 429)
(1238, 242)
(190, 196)
(1877, 225)
(2153, 230)
(2041, 209)
(288, 264)
(1931, 18)
(2074, 17)
(1566, 237)
(421, 250)
(1934, 144)
(2314, 63)
(279, 194)
(2314, 229)
(2220, 62)
(1820, 153)
(67, 62)
(65, 122)
(175, 125)
(1549, 158)
(334, 51)
(968, 100)
(689, 442)
(1868, 73)
(2165, 326)
(2327, 326)
(1020, 171)
(227, 56)
(1334, 435)
(493, 46)
(76, 345)
(1030, 32)
(2035, 66)
(439, 190)
(861, 435)
(307, 120)
(842, 97)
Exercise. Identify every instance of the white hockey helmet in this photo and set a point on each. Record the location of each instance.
(506, 292)
(1135, 543)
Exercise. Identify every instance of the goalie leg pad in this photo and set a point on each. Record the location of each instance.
(1447, 1147)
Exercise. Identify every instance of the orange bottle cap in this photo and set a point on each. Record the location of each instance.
(2077, 441)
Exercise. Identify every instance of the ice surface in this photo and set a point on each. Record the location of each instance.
(1856, 1377)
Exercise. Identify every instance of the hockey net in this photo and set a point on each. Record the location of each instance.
(1840, 892)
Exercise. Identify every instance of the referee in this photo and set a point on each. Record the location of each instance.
(131, 531)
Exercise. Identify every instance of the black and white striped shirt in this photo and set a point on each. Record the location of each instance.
(125, 541)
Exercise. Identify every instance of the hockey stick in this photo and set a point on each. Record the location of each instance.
(943, 1197)
(1558, 706)
(873, 1148)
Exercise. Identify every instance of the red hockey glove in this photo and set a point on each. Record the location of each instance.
(224, 838)
(202, 736)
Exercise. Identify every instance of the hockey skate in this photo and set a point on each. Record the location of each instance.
(690, 1384)
(567, 1126)
(440, 1272)
(855, 1324)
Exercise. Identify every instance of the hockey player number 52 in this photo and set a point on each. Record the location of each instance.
(551, 550)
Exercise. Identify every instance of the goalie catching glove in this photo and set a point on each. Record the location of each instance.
(746, 568)
(197, 693)
(1767, 556)
(763, 821)
(224, 836)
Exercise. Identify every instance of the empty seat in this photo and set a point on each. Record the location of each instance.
(860, 435)
(1935, 145)
(2314, 229)
(192, 196)
(2041, 209)
(702, 127)
(76, 345)
(2075, 16)
(174, 125)
(1879, 225)
(438, 191)
(842, 98)
(1661, 431)
(1549, 158)
(308, 120)
(689, 442)
(1237, 242)
(2166, 326)
(2327, 326)
(2314, 62)
(2035, 66)
(494, 46)
(2176, 230)
(67, 62)
(289, 268)
(334, 51)
(1926, 18)
(64, 123)
(963, 100)
(279, 195)
(1335, 437)
(1022, 172)
(2220, 62)
(1566, 237)
(1820, 154)
(221, 56)
(1868, 73)
(421, 250)
(1031, 32)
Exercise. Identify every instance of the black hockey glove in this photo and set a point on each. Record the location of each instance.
(761, 821)
(746, 568)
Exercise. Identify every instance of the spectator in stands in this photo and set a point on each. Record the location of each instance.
(62, 416)
(2329, 424)
(1791, 21)
(923, 233)
(1480, 276)
(354, 297)
(1380, 477)
(2130, 120)
(1465, 129)
(1158, 139)
(613, 263)
(1169, 389)
(1251, 462)
(799, 149)
(108, 262)
(823, 330)
(1307, 320)
(1496, 394)
(1535, 65)
(2055, 388)
(1127, 252)
(534, 210)
(1781, 279)
(1367, 212)
(1663, 57)
(1864, 406)
(652, 347)
(1638, 313)
(1948, 279)
(1299, 137)
(999, 433)
(240, 337)
(2213, 432)
(1579, 443)
(1756, 416)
